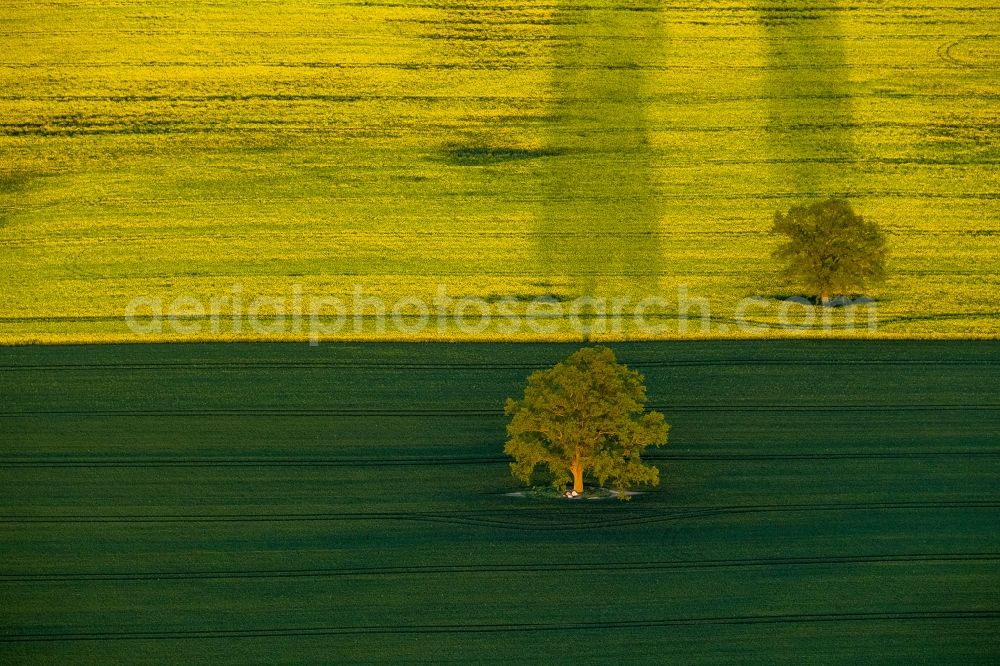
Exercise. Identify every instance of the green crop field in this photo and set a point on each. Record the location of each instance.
(822, 502)
(516, 150)
(529, 173)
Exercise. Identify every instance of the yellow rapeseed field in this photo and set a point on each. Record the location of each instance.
(288, 151)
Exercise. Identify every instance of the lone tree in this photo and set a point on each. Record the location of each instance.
(586, 414)
(830, 249)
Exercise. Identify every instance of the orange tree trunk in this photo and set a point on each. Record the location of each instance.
(577, 469)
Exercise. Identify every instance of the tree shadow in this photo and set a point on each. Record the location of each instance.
(834, 302)
(807, 88)
(492, 155)
(13, 185)
(599, 214)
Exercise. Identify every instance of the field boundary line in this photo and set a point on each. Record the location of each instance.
(500, 568)
(499, 518)
(897, 616)
(266, 411)
(460, 460)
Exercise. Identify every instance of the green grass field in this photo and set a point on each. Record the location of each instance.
(522, 149)
(830, 502)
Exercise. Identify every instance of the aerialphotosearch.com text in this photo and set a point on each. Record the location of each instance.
(317, 317)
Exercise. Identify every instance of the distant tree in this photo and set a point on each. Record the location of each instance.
(830, 250)
(586, 414)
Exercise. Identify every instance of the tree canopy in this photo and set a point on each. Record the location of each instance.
(585, 414)
(830, 250)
